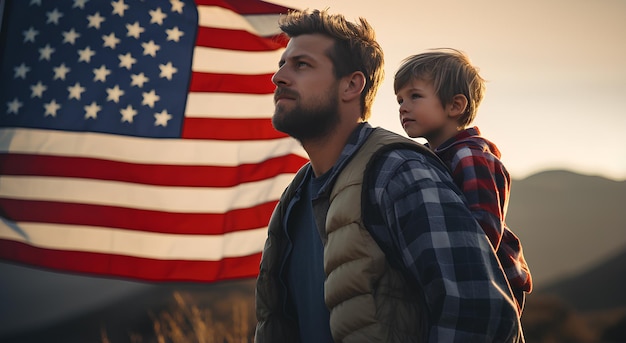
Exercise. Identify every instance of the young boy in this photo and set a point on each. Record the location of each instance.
(439, 92)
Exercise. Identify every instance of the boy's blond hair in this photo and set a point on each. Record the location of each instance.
(450, 72)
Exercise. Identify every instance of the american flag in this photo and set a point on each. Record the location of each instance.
(135, 136)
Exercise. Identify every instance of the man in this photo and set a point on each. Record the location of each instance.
(372, 241)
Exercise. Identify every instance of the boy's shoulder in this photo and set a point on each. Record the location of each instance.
(468, 141)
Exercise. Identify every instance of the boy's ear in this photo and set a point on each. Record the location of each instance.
(458, 105)
(353, 85)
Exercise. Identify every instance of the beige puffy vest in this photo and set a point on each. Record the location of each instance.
(369, 301)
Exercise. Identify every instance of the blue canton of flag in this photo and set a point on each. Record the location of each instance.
(123, 69)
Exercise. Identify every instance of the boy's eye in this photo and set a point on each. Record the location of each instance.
(399, 101)
(415, 96)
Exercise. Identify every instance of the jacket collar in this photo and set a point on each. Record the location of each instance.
(355, 141)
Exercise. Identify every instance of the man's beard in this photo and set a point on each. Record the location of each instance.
(310, 122)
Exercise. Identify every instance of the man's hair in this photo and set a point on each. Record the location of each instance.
(355, 47)
(450, 72)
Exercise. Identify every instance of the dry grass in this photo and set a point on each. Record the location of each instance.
(228, 318)
(187, 322)
(549, 319)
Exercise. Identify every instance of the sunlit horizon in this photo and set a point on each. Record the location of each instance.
(555, 73)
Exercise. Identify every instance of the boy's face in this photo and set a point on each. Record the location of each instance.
(421, 111)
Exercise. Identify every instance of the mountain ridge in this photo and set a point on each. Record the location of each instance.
(597, 288)
(563, 218)
(564, 172)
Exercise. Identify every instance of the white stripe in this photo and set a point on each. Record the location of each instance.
(139, 196)
(265, 24)
(219, 17)
(229, 105)
(144, 150)
(135, 243)
(223, 61)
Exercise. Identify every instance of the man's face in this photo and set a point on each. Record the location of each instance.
(306, 96)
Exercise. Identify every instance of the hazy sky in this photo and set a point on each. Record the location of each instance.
(556, 72)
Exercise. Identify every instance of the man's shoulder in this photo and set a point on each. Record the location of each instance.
(387, 135)
(390, 143)
(394, 150)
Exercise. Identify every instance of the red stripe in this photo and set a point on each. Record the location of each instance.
(230, 129)
(150, 174)
(131, 267)
(231, 83)
(35, 211)
(137, 219)
(238, 40)
(246, 6)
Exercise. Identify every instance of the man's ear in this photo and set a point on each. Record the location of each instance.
(458, 105)
(353, 85)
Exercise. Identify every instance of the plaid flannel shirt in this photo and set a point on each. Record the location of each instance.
(476, 168)
(419, 218)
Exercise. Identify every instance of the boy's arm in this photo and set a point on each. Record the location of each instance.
(486, 184)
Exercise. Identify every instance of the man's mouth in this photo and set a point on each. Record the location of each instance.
(284, 94)
(277, 99)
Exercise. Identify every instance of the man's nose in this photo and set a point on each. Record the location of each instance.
(279, 77)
